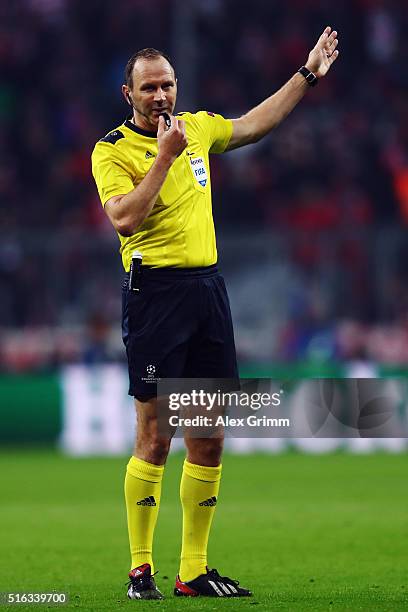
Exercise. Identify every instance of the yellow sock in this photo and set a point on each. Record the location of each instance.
(198, 493)
(142, 494)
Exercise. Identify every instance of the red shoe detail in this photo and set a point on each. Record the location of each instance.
(186, 590)
(138, 571)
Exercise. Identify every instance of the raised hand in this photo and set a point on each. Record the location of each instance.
(172, 141)
(324, 53)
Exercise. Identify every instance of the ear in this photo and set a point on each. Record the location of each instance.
(126, 94)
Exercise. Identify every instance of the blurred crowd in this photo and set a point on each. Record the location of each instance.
(348, 341)
(337, 167)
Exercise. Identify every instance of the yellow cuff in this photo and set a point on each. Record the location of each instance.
(202, 472)
(144, 470)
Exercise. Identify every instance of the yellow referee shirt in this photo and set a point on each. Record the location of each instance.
(179, 231)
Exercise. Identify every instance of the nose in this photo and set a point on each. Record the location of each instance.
(160, 95)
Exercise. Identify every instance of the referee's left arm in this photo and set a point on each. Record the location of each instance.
(259, 121)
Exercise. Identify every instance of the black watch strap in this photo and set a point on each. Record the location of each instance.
(310, 77)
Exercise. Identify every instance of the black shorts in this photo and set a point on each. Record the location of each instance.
(178, 325)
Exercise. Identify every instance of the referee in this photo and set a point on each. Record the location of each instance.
(153, 178)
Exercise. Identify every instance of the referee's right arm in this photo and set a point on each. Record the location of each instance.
(127, 212)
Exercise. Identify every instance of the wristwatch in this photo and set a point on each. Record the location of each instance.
(310, 77)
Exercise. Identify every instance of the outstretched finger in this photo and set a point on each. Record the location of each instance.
(333, 56)
(323, 38)
(332, 36)
(160, 128)
(181, 125)
(325, 34)
(329, 42)
(330, 49)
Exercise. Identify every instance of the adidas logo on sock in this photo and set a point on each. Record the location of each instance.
(149, 155)
(147, 501)
(211, 501)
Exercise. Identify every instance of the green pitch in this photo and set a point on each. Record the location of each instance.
(304, 532)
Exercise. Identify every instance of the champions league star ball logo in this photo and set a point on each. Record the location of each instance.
(151, 370)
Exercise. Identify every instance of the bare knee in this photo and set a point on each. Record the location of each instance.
(204, 451)
(150, 445)
(153, 450)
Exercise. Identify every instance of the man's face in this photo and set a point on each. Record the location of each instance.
(154, 91)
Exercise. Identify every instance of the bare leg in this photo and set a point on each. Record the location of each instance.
(149, 446)
(204, 451)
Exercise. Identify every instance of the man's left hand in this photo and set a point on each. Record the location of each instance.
(324, 53)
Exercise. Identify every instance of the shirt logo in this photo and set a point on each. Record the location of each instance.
(199, 170)
(149, 155)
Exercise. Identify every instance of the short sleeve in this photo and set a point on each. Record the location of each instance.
(110, 174)
(218, 130)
